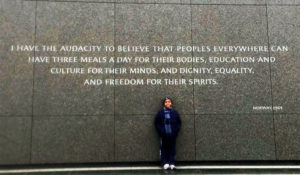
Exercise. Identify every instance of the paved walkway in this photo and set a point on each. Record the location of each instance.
(155, 170)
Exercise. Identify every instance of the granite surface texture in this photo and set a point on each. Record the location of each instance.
(50, 118)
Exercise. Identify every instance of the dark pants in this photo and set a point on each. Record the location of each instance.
(167, 150)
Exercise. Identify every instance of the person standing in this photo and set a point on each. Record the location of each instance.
(168, 124)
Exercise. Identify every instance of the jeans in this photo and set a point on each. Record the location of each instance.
(167, 149)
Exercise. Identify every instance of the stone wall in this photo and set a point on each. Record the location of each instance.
(55, 119)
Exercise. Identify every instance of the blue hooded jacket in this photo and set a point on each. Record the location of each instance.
(175, 122)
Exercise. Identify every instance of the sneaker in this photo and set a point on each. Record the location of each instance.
(173, 167)
(166, 166)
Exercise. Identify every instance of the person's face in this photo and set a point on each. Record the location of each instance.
(168, 103)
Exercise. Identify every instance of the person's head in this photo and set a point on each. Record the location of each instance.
(167, 102)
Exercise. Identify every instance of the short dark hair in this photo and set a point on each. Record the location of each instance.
(166, 98)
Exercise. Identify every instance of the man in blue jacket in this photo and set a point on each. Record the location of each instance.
(167, 123)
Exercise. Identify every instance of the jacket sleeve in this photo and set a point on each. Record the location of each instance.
(158, 124)
(178, 123)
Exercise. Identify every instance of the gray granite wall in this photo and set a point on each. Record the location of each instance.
(54, 119)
